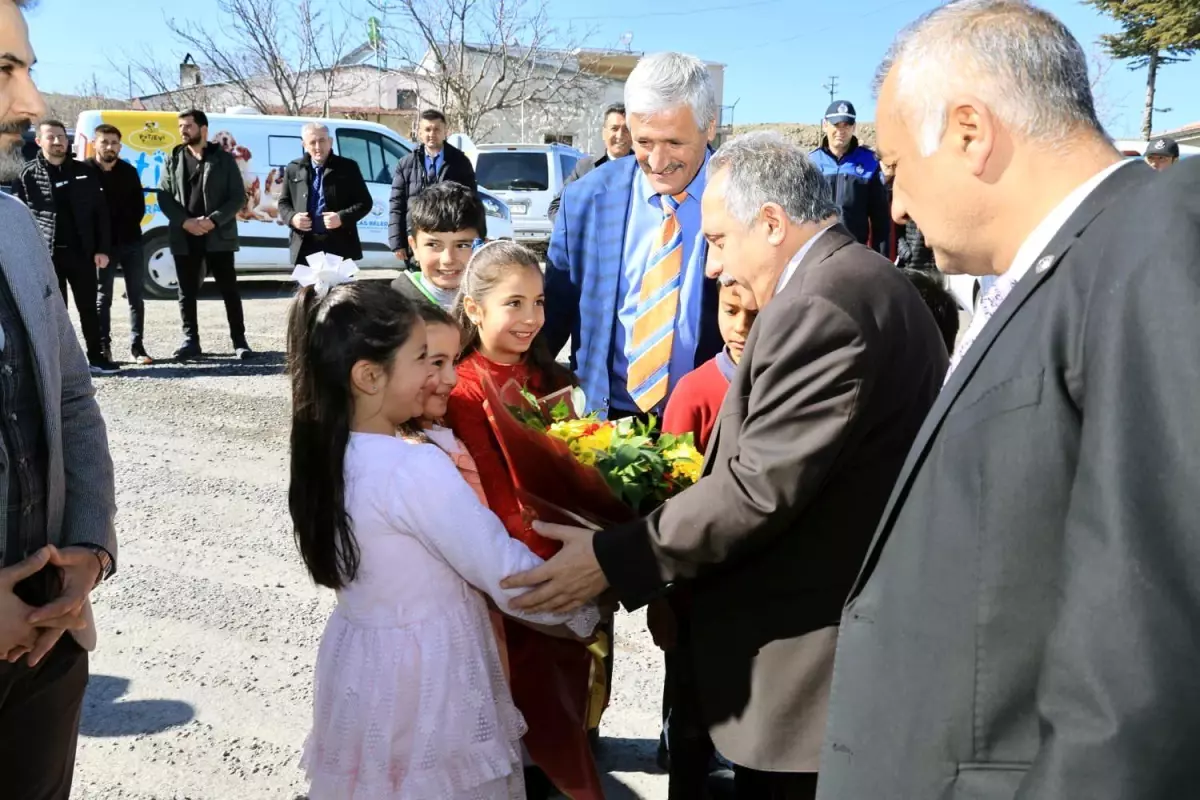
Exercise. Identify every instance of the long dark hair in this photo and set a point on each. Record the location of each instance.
(488, 266)
(354, 322)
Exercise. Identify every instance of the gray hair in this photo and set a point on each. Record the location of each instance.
(665, 81)
(1020, 60)
(314, 127)
(766, 168)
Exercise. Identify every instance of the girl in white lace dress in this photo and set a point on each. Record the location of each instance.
(410, 700)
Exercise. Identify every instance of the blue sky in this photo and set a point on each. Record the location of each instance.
(778, 53)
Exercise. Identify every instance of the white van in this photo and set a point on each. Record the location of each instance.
(527, 177)
(262, 146)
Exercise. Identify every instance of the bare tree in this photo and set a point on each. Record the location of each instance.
(486, 60)
(1108, 109)
(273, 55)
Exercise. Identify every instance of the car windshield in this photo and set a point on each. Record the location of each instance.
(513, 171)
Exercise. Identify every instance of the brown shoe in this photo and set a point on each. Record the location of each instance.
(140, 356)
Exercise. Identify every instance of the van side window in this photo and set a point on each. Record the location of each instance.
(567, 164)
(283, 150)
(367, 149)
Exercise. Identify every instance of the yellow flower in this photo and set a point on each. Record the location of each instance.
(600, 439)
(569, 430)
(686, 461)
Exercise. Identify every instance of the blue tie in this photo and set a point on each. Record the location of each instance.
(319, 191)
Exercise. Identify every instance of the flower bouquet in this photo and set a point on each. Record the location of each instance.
(578, 469)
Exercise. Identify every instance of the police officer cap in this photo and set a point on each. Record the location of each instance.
(840, 111)
(1163, 146)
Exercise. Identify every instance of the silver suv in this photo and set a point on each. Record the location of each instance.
(526, 177)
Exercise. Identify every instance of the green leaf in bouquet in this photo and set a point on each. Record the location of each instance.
(561, 412)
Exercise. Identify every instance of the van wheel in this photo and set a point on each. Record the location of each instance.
(161, 281)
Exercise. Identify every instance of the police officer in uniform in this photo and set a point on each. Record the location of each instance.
(853, 174)
(1162, 153)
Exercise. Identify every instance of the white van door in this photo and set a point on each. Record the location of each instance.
(377, 156)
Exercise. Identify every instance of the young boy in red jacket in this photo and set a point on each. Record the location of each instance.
(693, 408)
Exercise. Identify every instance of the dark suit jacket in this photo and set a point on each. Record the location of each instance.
(1026, 622)
(410, 179)
(838, 373)
(346, 194)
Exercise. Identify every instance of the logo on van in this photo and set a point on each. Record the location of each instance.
(152, 137)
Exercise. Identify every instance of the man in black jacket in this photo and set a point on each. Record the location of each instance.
(432, 162)
(69, 207)
(201, 194)
(126, 206)
(617, 144)
(324, 196)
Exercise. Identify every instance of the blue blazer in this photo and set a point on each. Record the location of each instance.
(583, 269)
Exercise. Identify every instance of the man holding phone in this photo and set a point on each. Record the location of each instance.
(56, 479)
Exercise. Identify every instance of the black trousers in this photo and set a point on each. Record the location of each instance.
(39, 723)
(77, 270)
(688, 743)
(190, 270)
(751, 784)
(129, 258)
(321, 243)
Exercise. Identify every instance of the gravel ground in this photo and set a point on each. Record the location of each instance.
(200, 687)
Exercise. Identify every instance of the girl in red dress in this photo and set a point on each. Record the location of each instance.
(501, 310)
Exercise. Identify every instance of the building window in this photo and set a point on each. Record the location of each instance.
(558, 138)
(406, 99)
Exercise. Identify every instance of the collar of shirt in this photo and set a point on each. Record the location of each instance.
(431, 161)
(790, 269)
(1048, 228)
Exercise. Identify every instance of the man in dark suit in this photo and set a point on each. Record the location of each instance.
(617, 144)
(1025, 623)
(633, 339)
(324, 196)
(435, 160)
(842, 365)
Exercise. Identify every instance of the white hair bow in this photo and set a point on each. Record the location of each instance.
(324, 271)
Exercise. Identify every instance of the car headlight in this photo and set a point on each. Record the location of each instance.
(494, 208)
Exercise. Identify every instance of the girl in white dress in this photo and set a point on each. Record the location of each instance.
(410, 700)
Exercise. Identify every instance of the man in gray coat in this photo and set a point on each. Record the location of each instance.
(1026, 621)
(56, 485)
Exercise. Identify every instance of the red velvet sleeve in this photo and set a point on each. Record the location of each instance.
(467, 418)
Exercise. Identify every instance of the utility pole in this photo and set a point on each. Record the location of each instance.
(129, 77)
(832, 87)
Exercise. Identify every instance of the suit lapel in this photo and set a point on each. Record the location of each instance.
(1044, 267)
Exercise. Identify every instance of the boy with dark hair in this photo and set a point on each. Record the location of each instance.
(434, 161)
(445, 222)
(941, 303)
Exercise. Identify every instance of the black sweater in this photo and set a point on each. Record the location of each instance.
(126, 201)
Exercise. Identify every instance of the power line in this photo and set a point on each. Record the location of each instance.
(809, 32)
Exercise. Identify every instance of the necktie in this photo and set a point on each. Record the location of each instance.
(658, 303)
(988, 304)
(319, 191)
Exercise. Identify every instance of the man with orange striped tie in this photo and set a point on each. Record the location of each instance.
(625, 270)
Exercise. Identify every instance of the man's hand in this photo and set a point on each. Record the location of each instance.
(17, 635)
(207, 225)
(81, 572)
(565, 582)
(302, 221)
(333, 221)
(402, 254)
(193, 226)
(101, 261)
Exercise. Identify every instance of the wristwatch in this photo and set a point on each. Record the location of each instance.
(106, 561)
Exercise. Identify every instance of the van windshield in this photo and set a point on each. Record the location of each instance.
(513, 171)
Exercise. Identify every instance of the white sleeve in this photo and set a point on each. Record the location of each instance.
(433, 500)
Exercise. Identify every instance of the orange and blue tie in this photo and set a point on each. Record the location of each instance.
(658, 303)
